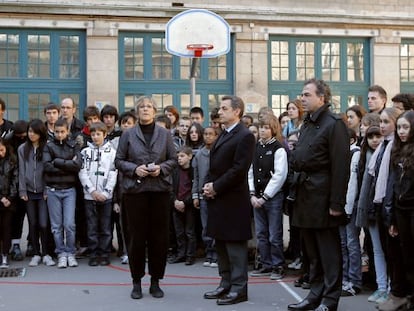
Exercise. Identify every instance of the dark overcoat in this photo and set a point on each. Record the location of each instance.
(321, 162)
(229, 212)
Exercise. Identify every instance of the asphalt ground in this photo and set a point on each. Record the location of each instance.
(108, 289)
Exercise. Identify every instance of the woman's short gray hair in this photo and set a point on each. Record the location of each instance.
(141, 99)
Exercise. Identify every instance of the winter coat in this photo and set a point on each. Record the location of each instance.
(320, 162)
(62, 161)
(133, 152)
(98, 172)
(30, 171)
(229, 212)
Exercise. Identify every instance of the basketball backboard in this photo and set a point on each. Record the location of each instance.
(197, 33)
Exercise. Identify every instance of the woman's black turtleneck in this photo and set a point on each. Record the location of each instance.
(147, 131)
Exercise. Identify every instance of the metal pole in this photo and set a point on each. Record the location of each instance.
(194, 62)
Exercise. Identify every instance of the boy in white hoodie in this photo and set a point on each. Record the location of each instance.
(98, 178)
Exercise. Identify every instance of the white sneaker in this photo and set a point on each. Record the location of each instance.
(4, 262)
(34, 262)
(72, 262)
(124, 259)
(62, 262)
(213, 264)
(206, 263)
(48, 261)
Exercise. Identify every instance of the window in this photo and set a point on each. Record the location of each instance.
(341, 62)
(9, 55)
(69, 62)
(39, 66)
(147, 68)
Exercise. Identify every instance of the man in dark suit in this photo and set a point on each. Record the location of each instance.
(321, 176)
(228, 198)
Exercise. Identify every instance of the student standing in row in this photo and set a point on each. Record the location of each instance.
(8, 195)
(62, 162)
(32, 191)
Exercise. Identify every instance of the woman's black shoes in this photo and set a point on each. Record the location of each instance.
(155, 289)
(136, 291)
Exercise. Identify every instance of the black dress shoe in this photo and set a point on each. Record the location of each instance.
(216, 294)
(93, 262)
(323, 307)
(231, 299)
(136, 291)
(304, 305)
(155, 289)
(105, 261)
(176, 260)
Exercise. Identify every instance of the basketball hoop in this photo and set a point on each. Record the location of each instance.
(199, 48)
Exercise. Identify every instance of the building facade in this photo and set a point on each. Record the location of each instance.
(110, 52)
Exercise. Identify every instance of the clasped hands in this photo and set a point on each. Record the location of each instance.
(208, 190)
(144, 171)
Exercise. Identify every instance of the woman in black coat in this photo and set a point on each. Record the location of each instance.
(146, 157)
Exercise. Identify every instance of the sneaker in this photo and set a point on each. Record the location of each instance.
(261, 272)
(377, 295)
(207, 262)
(296, 264)
(62, 262)
(392, 303)
(72, 261)
(16, 253)
(213, 264)
(350, 290)
(382, 299)
(277, 273)
(34, 262)
(48, 261)
(124, 259)
(4, 262)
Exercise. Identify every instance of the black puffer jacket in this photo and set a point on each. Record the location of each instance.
(404, 187)
(62, 161)
(8, 179)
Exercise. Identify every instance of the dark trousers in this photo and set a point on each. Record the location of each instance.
(233, 265)
(5, 229)
(148, 220)
(323, 247)
(405, 225)
(98, 215)
(184, 224)
(395, 263)
(80, 218)
(18, 219)
(38, 218)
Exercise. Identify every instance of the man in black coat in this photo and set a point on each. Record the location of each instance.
(320, 164)
(228, 202)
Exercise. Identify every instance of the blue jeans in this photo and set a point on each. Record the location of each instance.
(208, 241)
(61, 205)
(379, 257)
(351, 252)
(269, 231)
(98, 218)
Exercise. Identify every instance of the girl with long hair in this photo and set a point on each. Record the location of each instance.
(31, 190)
(8, 196)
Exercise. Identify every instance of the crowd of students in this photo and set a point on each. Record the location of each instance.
(62, 172)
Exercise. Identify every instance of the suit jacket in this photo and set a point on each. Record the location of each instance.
(229, 211)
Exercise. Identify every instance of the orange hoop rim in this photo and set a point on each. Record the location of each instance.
(198, 48)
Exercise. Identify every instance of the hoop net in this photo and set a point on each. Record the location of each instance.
(199, 48)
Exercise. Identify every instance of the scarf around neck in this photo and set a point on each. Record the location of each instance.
(384, 169)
